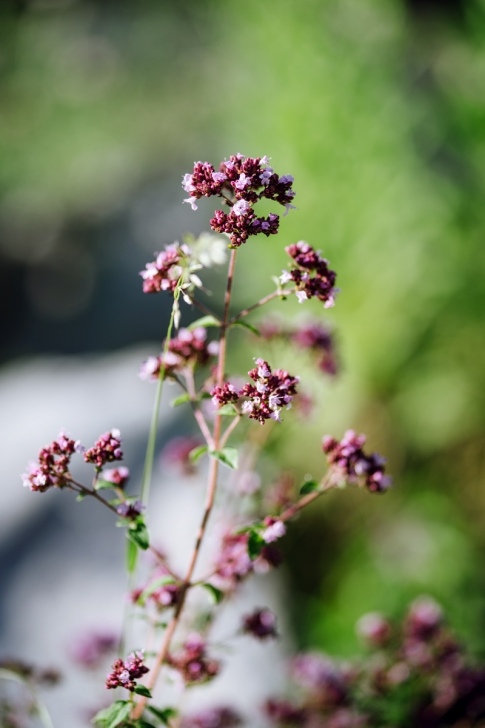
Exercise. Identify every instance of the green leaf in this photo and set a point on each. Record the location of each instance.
(228, 410)
(151, 588)
(131, 556)
(197, 452)
(103, 485)
(228, 456)
(138, 533)
(80, 497)
(205, 321)
(143, 690)
(216, 594)
(245, 325)
(114, 715)
(205, 395)
(142, 724)
(309, 486)
(163, 714)
(255, 544)
(182, 399)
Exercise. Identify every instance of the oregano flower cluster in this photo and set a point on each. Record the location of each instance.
(193, 359)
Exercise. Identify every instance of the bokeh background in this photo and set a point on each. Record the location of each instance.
(377, 107)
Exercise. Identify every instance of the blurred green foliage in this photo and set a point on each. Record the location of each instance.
(380, 117)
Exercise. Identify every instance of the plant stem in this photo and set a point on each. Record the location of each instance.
(306, 500)
(230, 430)
(195, 408)
(261, 302)
(210, 496)
(204, 309)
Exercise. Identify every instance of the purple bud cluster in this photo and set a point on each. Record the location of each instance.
(227, 394)
(312, 275)
(188, 349)
(125, 674)
(165, 271)
(130, 510)
(419, 658)
(105, 450)
(192, 662)
(223, 717)
(261, 624)
(234, 563)
(52, 468)
(349, 462)
(312, 336)
(271, 392)
(241, 182)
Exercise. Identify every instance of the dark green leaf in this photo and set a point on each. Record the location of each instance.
(163, 714)
(138, 533)
(143, 690)
(80, 497)
(131, 556)
(255, 544)
(205, 395)
(182, 399)
(205, 321)
(250, 327)
(151, 588)
(216, 594)
(228, 456)
(114, 715)
(308, 487)
(142, 724)
(228, 410)
(197, 452)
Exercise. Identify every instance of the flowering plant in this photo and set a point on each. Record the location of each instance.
(195, 360)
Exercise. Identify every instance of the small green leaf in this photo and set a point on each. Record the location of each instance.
(163, 714)
(216, 594)
(228, 456)
(143, 690)
(114, 715)
(182, 399)
(103, 485)
(138, 533)
(80, 497)
(227, 409)
(197, 452)
(309, 486)
(255, 544)
(131, 556)
(142, 724)
(245, 325)
(151, 588)
(205, 321)
(205, 395)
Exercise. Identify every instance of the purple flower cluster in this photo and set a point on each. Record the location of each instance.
(312, 336)
(420, 659)
(271, 392)
(125, 674)
(223, 717)
(52, 468)
(117, 476)
(261, 624)
(165, 271)
(349, 462)
(91, 649)
(241, 182)
(130, 510)
(193, 663)
(105, 450)
(187, 350)
(234, 563)
(226, 394)
(311, 275)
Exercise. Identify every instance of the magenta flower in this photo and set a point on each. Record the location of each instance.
(105, 450)
(117, 476)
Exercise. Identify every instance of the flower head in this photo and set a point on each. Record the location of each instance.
(192, 662)
(261, 624)
(105, 450)
(124, 674)
(118, 476)
(52, 468)
(311, 274)
(349, 462)
(270, 392)
(187, 350)
(213, 718)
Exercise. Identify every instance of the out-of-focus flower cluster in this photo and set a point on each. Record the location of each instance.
(234, 562)
(192, 662)
(311, 274)
(223, 717)
(260, 624)
(187, 350)
(52, 468)
(176, 453)
(241, 182)
(124, 674)
(417, 672)
(348, 462)
(90, 650)
(266, 398)
(166, 271)
(312, 336)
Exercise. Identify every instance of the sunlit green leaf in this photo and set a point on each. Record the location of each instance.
(228, 456)
(309, 486)
(228, 410)
(182, 399)
(245, 325)
(205, 321)
(197, 452)
(143, 690)
(216, 594)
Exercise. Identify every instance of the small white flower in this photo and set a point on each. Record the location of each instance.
(218, 176)
(241, 207)
(265, 159)
(187, 183)
(213, 348)
(288, 208)
(243, 181)
(274, 532)
(116, 433)
(285, 277)
(192, 202)
(301, 296)
(196, 280)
